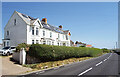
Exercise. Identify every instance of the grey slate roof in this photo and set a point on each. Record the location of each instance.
(50, 27)
(30, 20)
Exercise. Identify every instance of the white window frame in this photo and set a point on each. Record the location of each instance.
(58, 35)
(15, 21)
(43, 32)
(33, 42)
(44, 42)
(37, 31)
(50, 34)
(7, 33)
(33, 31)
(7, 43)
(37, 41)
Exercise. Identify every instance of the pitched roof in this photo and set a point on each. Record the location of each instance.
(30, 20)
(53, 28)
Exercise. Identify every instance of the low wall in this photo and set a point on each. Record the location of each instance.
(31, 60)
(16, 56)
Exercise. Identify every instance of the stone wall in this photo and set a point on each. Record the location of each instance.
(16, 56)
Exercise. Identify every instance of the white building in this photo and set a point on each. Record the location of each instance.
(25, 29)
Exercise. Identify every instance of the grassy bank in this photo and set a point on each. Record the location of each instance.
(52, 64)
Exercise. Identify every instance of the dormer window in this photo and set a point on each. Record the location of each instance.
(14, 21)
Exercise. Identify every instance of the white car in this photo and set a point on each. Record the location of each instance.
(7, 50)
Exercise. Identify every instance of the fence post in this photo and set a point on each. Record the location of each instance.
(22, 56)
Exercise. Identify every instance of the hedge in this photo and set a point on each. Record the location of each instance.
(22, 45)
(52, 53)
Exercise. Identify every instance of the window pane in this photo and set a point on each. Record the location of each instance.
(32, 41)
(43, 33)
(66, 37)
(36, 31)
(32, 30)
(37, 42)
(7, 33)
(44, 42)
(50, 34)
(14, 21)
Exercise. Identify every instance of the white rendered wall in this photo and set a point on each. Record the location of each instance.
(17, 33)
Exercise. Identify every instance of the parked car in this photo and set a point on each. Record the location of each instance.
(7, 50)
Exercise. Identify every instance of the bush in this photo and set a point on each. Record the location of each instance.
(22, 45)
(105, 50)
(52, 53)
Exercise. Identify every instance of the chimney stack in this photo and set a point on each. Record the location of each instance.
(60, 26)
(44, 20)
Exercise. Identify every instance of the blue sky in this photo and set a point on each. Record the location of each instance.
(93, 23)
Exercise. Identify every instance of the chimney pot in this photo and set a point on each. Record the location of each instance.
(60, 26)
(44, 20)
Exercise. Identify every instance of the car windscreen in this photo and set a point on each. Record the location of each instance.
(6, 47)
(12, 47)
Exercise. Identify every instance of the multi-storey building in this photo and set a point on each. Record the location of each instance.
(22, 28)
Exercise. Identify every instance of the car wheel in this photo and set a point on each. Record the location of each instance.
(8, 53)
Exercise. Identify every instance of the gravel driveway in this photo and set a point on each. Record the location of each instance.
(12, 68)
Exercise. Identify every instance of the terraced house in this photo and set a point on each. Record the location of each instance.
(22, 28)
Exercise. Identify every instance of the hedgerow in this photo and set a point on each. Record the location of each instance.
(53, 53)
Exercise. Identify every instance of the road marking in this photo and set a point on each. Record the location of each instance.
(105, 59)
(109, 56)
(41, 71)
(98, 63)
(85, 71)
(37, 73)
(56, 68)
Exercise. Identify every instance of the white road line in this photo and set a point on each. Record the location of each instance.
(85, 71)
(56, 68)
(41, 71)
(105, 59)
(98, 63)
(109, 56)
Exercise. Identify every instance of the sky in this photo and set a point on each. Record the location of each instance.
(94, 23)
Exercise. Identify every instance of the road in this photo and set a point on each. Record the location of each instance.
(105, 65)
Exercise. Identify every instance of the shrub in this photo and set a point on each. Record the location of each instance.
(52, 53)
(22, 45)
(105, 50)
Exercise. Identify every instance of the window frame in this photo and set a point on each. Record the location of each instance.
(58, 35)
(37, 31)
(43, 32)
(44, 42)
(37, 41)
(50, 34)
(15, 21)
(33, 42)
(66, 37)
(33, 31)
(8, 33)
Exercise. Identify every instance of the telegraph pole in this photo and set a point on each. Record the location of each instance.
(116, 45)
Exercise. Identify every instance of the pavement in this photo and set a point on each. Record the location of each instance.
(103, 66)
(9, 67)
